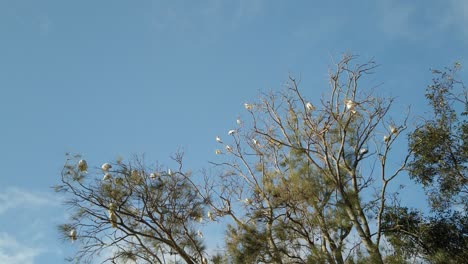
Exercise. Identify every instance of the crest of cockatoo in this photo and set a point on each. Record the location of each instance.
(200, 234)
(248, 106)
(112, 218)
(210, 216)
(228, 148)
(218, 139)
(83, 166)
(393, 129)
(310, 107)
(107, 176)
(73, 235)
(106, 166)
(231, 132)
(218, 152)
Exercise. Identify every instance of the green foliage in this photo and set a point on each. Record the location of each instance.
(441, 238)
(440, 145)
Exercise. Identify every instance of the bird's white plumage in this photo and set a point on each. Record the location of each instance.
(232, 131)
(228, 148)
(106, 166)
(210, 216)
(73, 235)
(200, 234)
(310, 107)
(82, 166)
(218, 139)
(106, 176)
(248, 106)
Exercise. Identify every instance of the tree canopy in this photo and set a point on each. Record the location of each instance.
(299, 181)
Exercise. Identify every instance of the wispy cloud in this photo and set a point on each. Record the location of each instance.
(415, 21)
(14, 197)
(14, 252)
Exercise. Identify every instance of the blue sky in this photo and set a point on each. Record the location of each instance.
(110, 78)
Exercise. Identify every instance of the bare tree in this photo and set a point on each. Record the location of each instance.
(306, 183)
(130, 211)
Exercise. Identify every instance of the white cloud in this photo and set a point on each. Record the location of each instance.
(14, 252)
(14, 197)
(414, 21)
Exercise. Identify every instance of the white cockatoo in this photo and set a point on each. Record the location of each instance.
(218, 139)
(393, 129)
(107, 176)
(112, 218)
(200, 234)
(228, 148)
(154, 175)
(255, 142)
(106, 166)
(204, 260)
(247, 201)
(210, 216)
(363, 151)
(248, 106)
(350, 105)
(231, 132)
(83, 166)
(238, 121)
(310, 107)
(169, 172)
(386, 139)
(218, 152)
(73, 235)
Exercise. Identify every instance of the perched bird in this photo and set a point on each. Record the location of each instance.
(363, 151)
(255, 142)
(393, 129)
(204, 260)
(112, 218)
(169, 172)
(248, 106)
(386, 139)
(107, 176)
(106, 166)
(228, 148)
(154, 175)
(238, 121)
(210, 216)
(350, 105)
(310, 107)
(73, 235)
(83, 166)
(230, 132)
(218, 139)
(247, 201)
(200, 234)
(218, 152)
